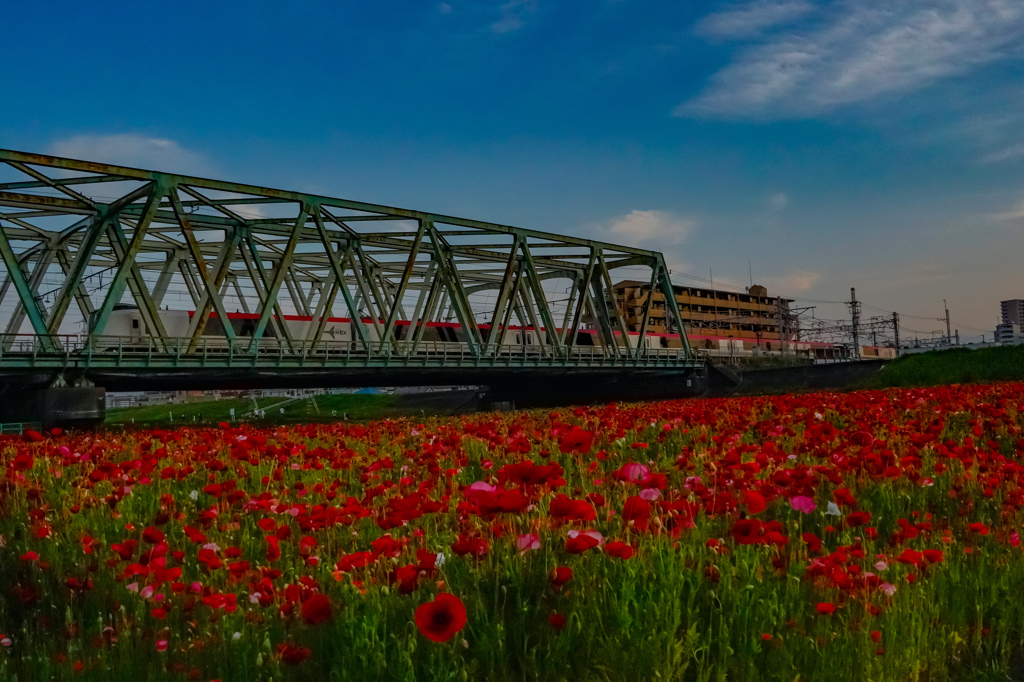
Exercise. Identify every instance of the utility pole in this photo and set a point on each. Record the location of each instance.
(896, 331)
(855, 322)
(783, 340)
(949, 337)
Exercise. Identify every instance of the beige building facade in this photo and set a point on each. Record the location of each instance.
(753, 319)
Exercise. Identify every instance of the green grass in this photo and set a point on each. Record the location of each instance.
(326, 408)
(678, 610)
(956, 366)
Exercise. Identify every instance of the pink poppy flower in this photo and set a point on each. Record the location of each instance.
(802, 503)
(528, 542)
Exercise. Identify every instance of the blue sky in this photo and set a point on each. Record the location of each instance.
(875, 144)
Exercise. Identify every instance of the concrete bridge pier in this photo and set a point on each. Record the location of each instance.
(71, 406)
(52, 403)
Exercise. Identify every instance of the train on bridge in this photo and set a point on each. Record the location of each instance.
(126, 324)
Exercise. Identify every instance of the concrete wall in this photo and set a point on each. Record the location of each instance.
(838, 376)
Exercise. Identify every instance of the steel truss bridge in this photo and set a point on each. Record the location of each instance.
(82, 240)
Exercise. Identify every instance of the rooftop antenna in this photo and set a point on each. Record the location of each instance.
(751, 269)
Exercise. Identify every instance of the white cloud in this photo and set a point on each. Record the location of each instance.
(513, 15)
(1011, 153)
(779, 201)
(1015, 213)
(655, 230)
(444, 8)
(792, 283)
(133, 150)
(651, 228)
(748, 20)
(856, 51)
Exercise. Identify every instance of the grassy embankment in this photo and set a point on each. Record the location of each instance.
(956, 366)
(323, 408)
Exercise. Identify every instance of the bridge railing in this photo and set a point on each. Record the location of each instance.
(164, 350)
(38, 343)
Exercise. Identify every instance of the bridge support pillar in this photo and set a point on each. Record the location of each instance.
(71, 406)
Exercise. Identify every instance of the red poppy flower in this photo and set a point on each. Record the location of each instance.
(826, 608)
(31, 436)
(862, 438)
(636, 509)
(152, 535)
(754, 501)
(292, 654)
(563, 508)
(357, 560)
(557, 621)
(578, 543)
(910, 556)
(438, 620)
(858, 518)
(476, 547)
(844, 498)
(619, 549)
(316, 610)
(747, 531)
(576, 440)
(560, 576)
(813, 542)
(273, 548)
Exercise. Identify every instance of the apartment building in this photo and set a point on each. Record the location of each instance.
(1013, 311)
(748, 320)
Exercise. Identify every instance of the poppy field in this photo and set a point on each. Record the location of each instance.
(872, 535)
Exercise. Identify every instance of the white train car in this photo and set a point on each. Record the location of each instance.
(126, 324)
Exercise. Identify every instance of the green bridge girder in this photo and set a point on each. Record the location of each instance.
(80, 239)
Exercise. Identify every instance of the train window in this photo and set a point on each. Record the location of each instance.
(135, 324)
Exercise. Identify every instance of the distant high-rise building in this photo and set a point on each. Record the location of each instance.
(1013, 311)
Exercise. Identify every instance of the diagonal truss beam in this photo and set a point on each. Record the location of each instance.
(392, 275)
